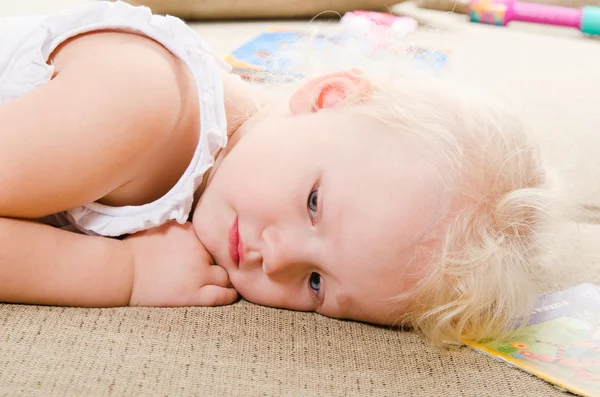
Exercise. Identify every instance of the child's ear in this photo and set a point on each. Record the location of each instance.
(330, 90)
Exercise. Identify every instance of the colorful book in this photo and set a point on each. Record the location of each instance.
(561, 342)
(262, 53)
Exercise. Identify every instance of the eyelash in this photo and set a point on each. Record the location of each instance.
(316, 294)
(313, 213)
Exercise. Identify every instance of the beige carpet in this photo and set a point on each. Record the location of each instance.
(246, 350)
(241, 350)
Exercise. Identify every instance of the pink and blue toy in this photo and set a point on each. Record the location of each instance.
(501, 12)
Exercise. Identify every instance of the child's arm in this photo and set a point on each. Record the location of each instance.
(112, 110)
(114, 107)
(43, 265)
(165, 266)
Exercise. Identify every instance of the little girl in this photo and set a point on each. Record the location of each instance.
(382, 194)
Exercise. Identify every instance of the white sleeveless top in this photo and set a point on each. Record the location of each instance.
(27, 43)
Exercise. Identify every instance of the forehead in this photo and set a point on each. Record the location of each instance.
(378, 185)
(380, 195)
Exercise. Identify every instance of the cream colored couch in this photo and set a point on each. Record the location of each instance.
(246, 350)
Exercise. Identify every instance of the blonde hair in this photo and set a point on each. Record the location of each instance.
(483, 274)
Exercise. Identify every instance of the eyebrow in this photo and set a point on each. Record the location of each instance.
(321, 205)
(332, 293)
(318, 302)
(343, 303)
(322, 202)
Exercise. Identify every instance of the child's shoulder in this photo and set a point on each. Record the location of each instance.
(152, 83)
(129, 69)
(121, 53)
(119, 103)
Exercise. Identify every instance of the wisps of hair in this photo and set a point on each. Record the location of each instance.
(492, 255)
(486, 269)
(485, 276)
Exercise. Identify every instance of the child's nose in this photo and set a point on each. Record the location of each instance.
(283, 251)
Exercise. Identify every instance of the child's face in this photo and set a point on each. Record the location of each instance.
(328, 207)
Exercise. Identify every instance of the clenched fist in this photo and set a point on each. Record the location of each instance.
(172, 268)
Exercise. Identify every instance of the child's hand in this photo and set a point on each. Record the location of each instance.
(172, 268)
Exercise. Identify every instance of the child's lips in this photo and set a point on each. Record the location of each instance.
(234, 242)
(240, 250)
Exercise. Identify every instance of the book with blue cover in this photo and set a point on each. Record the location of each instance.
(260, 54)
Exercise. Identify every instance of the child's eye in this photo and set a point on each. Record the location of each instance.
(313, 204)
(315, 282)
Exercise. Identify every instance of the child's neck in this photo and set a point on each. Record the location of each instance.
(242, 101)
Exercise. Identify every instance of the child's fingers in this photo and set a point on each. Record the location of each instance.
(218, 276)
(212, 295)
